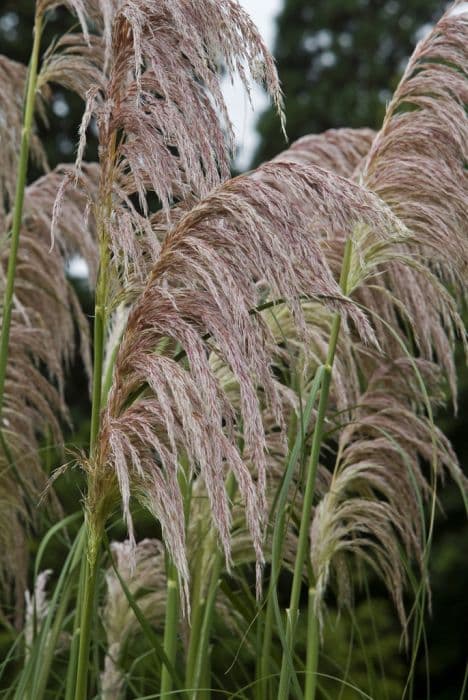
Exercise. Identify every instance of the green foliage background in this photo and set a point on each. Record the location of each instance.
(339, 62)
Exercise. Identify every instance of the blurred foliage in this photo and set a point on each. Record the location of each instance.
(364, 652)
(59, 135)
(339, 62)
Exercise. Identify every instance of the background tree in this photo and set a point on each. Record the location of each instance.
(339, 62)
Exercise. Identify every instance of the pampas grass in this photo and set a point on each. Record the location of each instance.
(268, 353)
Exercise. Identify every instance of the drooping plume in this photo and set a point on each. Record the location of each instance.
(46, 317)
(337, 150)
(163, 117)
(163, 124)
(12, 85)
(252, 240)
(388, 455)
(417, 165)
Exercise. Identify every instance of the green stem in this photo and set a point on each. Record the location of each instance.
(264, 662)
(87, 607)
(280, 508)
(19, 202)
(313, 641)
(198, 606)
(100, 321)
(94, 530)
(204, 638)
(170, 628)
(200, 635)
(75, 640)
(311, 474)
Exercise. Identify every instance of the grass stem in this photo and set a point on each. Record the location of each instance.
(19, 202)
(303, 540)
(87, 607)
(94, 522)
(170, 628)
(198, 654)
(313, 641)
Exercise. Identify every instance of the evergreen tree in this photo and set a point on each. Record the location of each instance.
(339, 62)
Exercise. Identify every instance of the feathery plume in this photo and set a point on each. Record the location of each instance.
(142, 568)
(199, 297)
(169, 136)
(372, 505)
(12, 86)
(43, 333)
(337, 150)
(417, 163)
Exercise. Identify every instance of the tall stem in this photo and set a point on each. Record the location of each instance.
(91, 567)
(94, 523)
(311, 474)
(100, 321)
(18, 205)
(94, 534)
(198, 601)
(204, 632)
(313, 640)
(170, 628)
(198, 651)
(264, 661)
